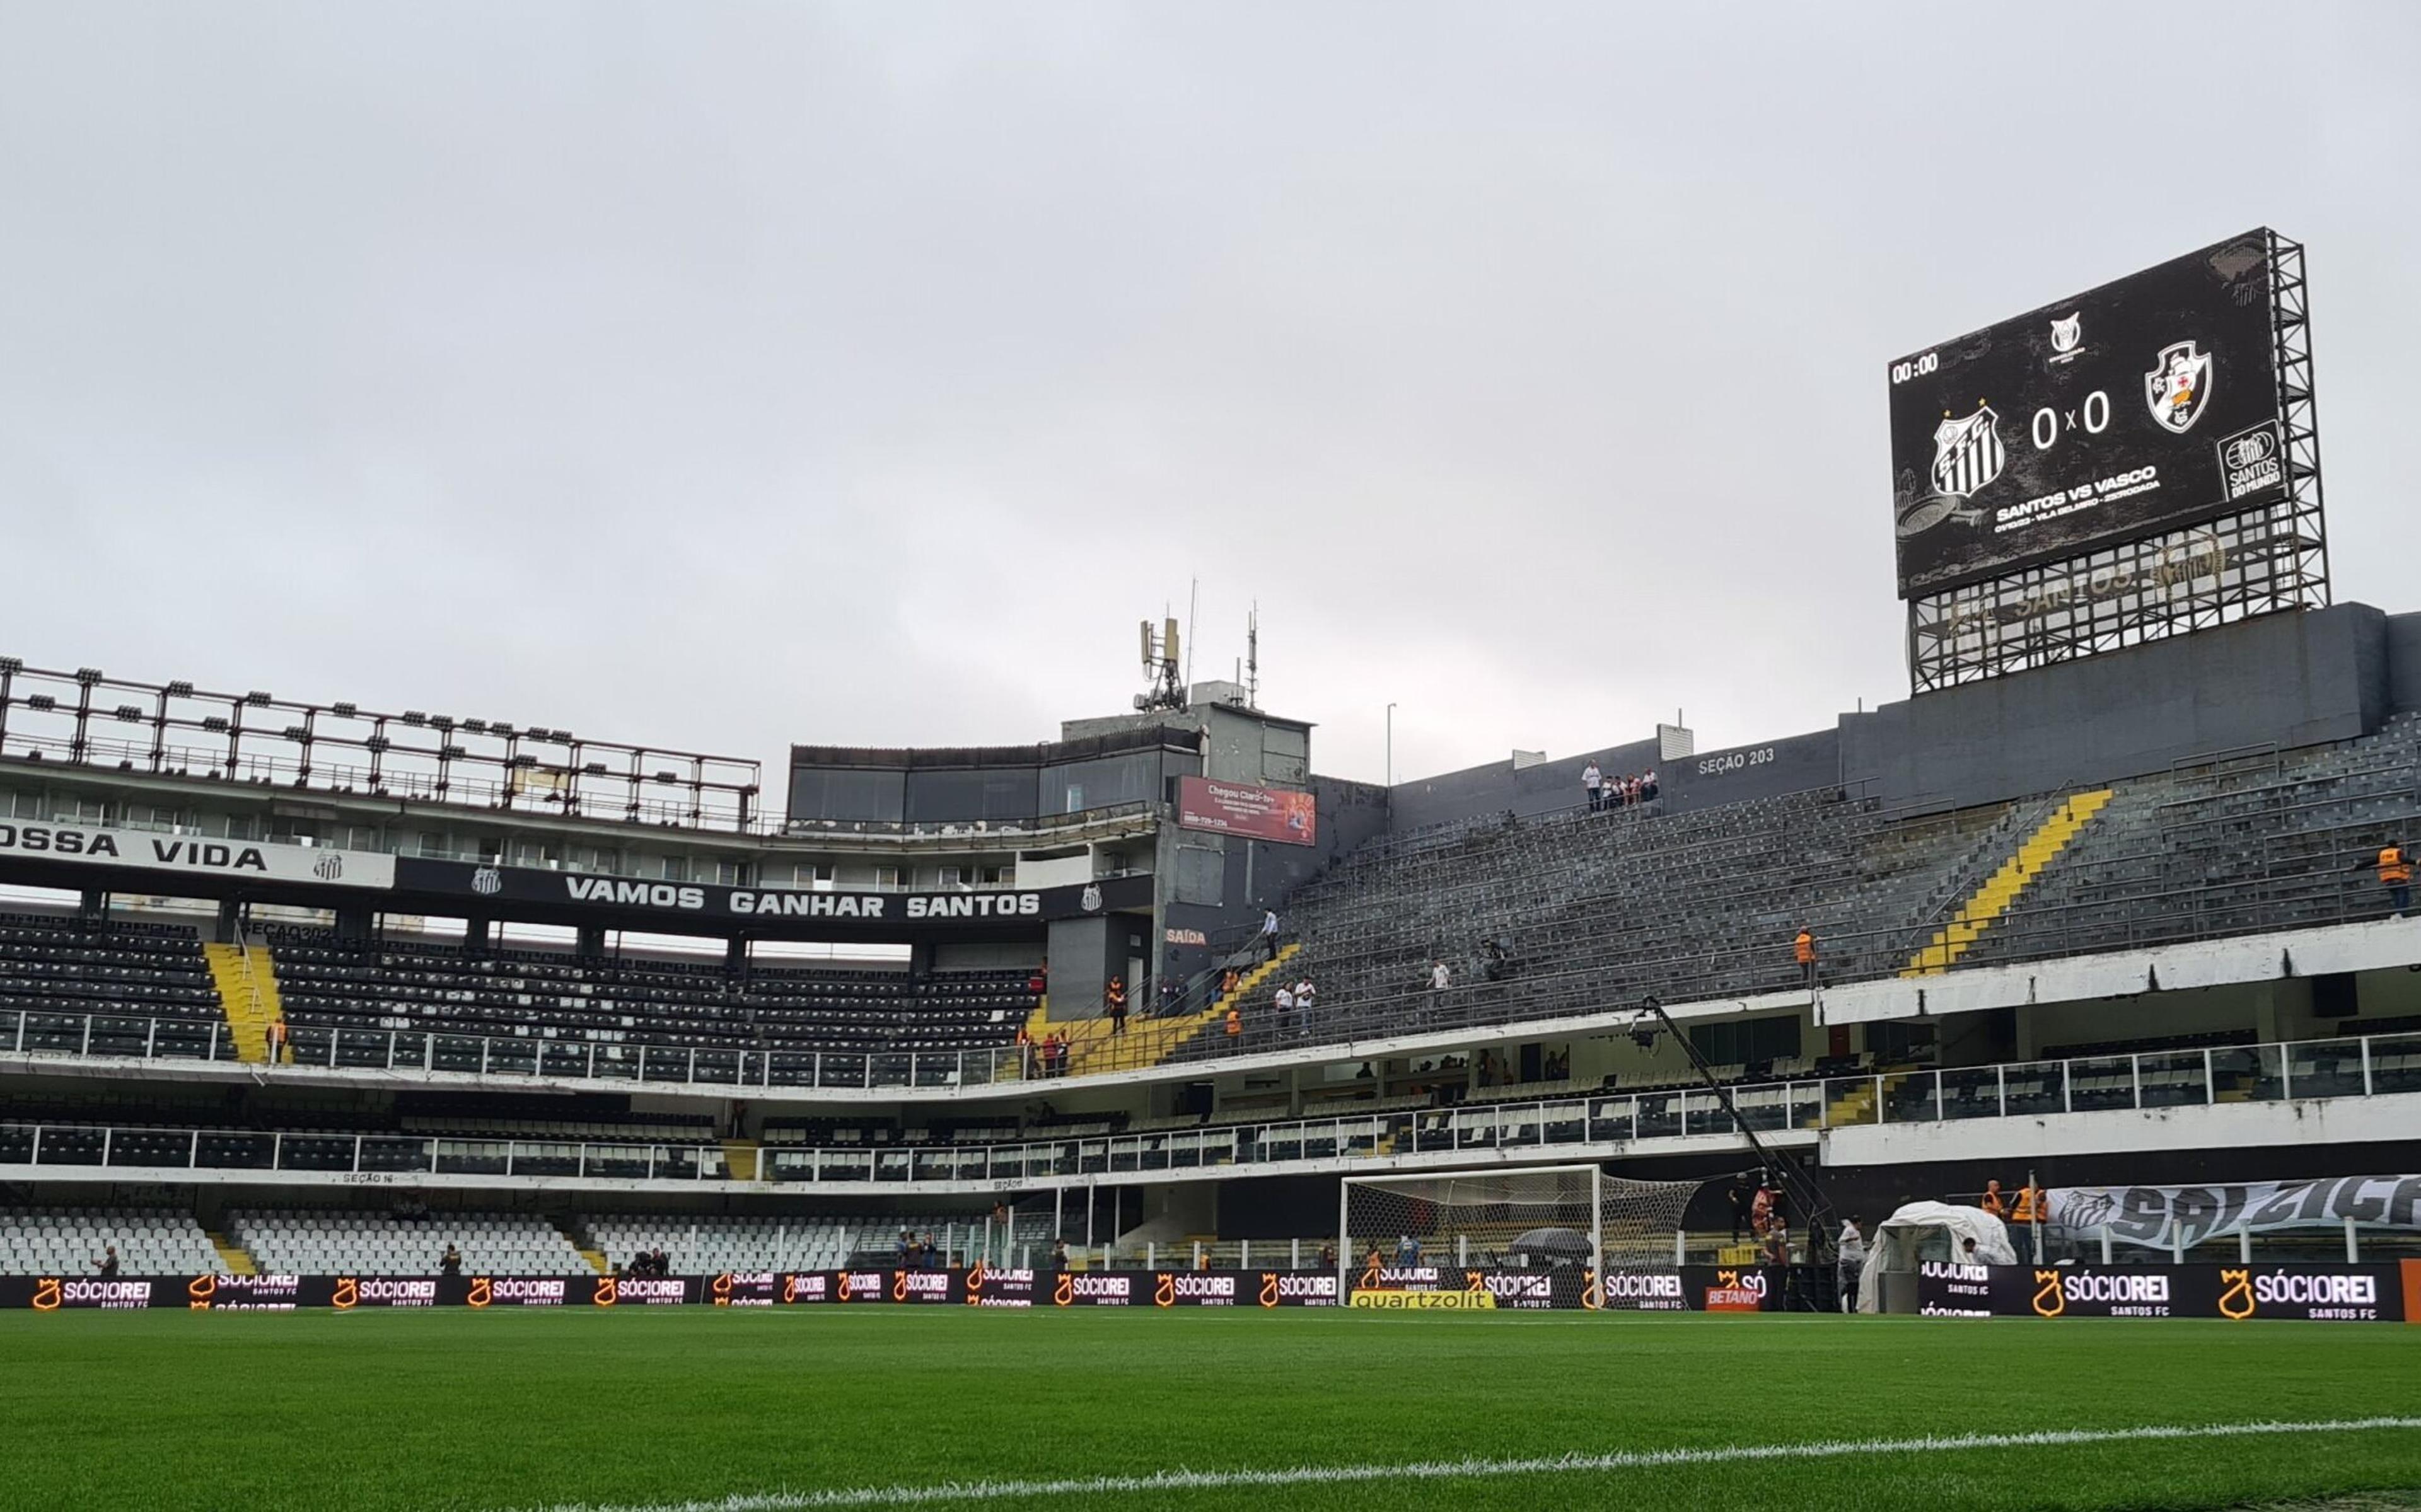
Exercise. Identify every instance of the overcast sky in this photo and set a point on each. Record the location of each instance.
(724, 375)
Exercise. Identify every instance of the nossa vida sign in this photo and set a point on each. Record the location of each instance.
(83, 844)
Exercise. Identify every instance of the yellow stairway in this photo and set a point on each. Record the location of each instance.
(233, 1258)
(1858, 1105)
(1091, 1046)
(247, 985)
(740, 1159)
(1991, 900)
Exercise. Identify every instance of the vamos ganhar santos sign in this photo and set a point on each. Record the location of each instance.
(575, 893)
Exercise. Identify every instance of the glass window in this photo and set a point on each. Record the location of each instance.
(837, 793)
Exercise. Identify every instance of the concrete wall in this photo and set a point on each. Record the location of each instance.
(1496, 788)
(2295, 679)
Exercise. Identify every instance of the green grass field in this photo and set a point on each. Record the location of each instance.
(661, 1409)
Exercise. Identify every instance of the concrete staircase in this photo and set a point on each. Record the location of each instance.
(740, 1159)
(246, 980)
(1861, 1104)
(1993, 896)
(234, 1260)
(1093, 1049)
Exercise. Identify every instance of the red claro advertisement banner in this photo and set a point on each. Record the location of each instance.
(1242, 809)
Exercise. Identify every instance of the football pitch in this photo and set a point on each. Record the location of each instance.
(912, 1407)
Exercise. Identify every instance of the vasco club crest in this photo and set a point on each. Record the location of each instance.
(2179, 387)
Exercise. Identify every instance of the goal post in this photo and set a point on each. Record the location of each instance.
(1569, 1224)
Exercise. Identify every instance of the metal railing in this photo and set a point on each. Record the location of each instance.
(2363, 1065)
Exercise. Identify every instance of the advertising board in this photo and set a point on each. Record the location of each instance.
(1243, 809)
(2309, 1293)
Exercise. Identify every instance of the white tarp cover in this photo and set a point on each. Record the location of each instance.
(1900, 1242)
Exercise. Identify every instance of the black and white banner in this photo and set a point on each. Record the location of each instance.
(2169, 1218)
(147, 850)
(575, 893)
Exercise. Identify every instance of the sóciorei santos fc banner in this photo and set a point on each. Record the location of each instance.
(1239, 808)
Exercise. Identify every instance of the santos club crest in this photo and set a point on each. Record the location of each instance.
(2179, 387)
(1967, 455)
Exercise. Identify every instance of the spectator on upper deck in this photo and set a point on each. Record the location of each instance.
(1593, 784)
(2395, 863)
(1115, 995)
(1286, 1007)
(1803, 950)
(1647, 786)
(1269, 934)
(1993, 1202)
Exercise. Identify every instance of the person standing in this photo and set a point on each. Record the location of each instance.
(1269, 934)
(107, 1264)
(1593, 784)
(2030, 1212)
(451, 1263)
(1803, 950)
(1304, 994)
(1993, 1202)
(2395, 863)
(1286, 1007)
(1116, 997)
(1851, 1261)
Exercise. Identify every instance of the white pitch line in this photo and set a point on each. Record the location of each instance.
(1198, 1480)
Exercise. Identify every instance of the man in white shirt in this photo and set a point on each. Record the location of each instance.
(1269, 934)
(1594, 782)
(1647, 786)
(1286, 1007)
(1304, 993)
(1851, 1262)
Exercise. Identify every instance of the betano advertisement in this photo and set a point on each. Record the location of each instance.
(1242, 809)
(2142, 406)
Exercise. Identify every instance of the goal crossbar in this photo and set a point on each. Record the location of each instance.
(1402, 1230)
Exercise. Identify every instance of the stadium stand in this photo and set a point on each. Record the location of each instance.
(708, 1243)
(106, 988)
(347, 997)
(353, 1243)
(66, 1241)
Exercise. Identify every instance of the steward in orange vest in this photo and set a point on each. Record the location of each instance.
(2032, 1206)
(2395, 863)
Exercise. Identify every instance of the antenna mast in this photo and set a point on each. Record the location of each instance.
(1253, 657)
(1162, 658)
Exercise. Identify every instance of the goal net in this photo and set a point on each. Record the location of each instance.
(1569, 1224)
